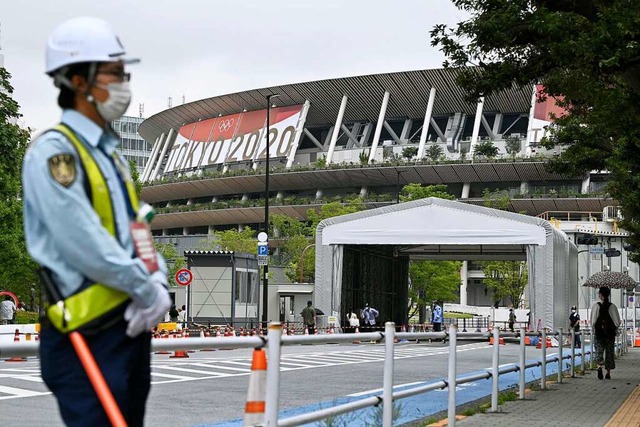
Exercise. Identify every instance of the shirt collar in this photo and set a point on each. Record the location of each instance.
(93, 134)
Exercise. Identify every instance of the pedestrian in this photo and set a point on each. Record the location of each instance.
(309, 317)
(512, 319)
(352, 317)
(369, 315)
(182, 317)
(574, 323)
(32, 296)
(7, 310)
(86, 228)
(436, 317)
(174, 314)
(605, 320)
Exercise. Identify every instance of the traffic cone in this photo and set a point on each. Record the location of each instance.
(255, 406)
(206, 334)
(357, 332)
(16, 338)
(178, 354)
(306, 330)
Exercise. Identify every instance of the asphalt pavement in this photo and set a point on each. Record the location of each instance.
(580, 401)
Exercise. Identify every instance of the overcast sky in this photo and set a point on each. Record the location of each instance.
(203, 48)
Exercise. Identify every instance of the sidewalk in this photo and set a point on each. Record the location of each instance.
(580, 401)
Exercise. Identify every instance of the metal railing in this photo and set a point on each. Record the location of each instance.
(275, 340)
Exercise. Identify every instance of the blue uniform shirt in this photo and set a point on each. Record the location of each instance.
(64, 233)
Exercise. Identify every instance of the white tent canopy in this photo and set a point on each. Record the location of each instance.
(442, 229)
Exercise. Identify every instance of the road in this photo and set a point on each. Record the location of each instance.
(211, 387)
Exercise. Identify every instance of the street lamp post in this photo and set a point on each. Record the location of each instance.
(398, 185)
(265, 280)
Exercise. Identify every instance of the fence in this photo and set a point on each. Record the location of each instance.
(275, 340)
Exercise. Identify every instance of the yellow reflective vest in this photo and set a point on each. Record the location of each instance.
(89, 306)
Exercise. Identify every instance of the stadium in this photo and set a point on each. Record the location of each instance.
(363, 136)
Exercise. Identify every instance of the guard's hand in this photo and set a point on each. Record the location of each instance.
(143, 319)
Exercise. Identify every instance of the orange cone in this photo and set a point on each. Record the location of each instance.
(306, 330)
(254, 408)
(16, 338)
(356, 341)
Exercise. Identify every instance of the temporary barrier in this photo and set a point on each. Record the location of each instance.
(255, 406)
(16, 339)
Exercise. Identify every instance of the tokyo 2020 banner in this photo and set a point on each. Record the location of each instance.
(235, 138)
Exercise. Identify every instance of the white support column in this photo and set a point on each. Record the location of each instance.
(167, 142)
(336, 129)
(586, 183)
(463, 283)
(524, 187)
(476, 127)
(379, 125)
(406, 128)
(466, 187)
(299, 130)
(425, 124)
(152, 157)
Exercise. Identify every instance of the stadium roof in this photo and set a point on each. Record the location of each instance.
(409, 94)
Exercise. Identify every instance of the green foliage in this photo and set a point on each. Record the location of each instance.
(513, 145)
(486, 149)
(331, 210)
(244, 241)
(417, 191)
(409, 152)
(27, 317)
(135, 176)
(496, 199)
(174, 261)
(587, 54)
(505, 279)
(363, 157)
(18, 269)
(321, 162)
(432, 280)
(434, 152)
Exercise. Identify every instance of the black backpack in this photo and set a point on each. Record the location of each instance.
(604, 328)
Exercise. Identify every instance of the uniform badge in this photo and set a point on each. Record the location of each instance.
(63, 169)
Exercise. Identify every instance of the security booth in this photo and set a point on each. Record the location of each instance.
(225, 288)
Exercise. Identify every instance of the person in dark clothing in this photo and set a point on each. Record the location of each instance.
(574, 322)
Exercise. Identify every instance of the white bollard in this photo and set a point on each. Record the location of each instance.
(494, 370)
(522, 361)
(451, 379)
(543, 367)
(560, 348)
(274, 339)
(387, 380)
(573, 353)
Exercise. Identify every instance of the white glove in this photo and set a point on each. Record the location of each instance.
(143, 319)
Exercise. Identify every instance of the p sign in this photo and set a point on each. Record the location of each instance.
(184, 277)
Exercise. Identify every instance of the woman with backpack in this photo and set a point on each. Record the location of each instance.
(605, 320)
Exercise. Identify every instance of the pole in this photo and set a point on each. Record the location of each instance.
(265, 269)
(494, 370)
(451, 379)
(387, 375)
(543, 367)
(523, 349)
(573, 353)
(274, 339)
(560, 346)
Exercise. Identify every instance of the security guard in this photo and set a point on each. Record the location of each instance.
(84, 226)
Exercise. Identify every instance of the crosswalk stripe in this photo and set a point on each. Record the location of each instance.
(18, 392)
(30, 378)
(195, 371)
(220, 366)
(175, 377)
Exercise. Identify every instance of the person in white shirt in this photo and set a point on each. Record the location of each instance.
(7, 310)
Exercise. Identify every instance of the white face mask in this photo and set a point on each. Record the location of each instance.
(117, 103)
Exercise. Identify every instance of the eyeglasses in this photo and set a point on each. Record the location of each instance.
(120, 74)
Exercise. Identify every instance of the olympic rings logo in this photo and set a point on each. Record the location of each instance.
(225, 125)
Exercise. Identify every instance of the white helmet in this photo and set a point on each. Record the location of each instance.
(83, 39)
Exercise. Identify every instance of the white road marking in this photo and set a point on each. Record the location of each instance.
(18, 392)
(220, 366)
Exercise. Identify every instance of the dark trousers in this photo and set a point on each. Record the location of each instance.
(437, 327)
(125, 365)
(578, 342)
(312, 329)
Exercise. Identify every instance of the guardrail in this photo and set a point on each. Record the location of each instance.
(275, 340)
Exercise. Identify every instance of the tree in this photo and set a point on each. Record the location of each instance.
(497, 199)
(587, 55)
(174, 261)
(434, 152)
(512, 145)
(135, 176)
(417, 191)
(430, 281)
(409, 152)
(505, 279)
(244, 241)
(486, 149)
(18, 269)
